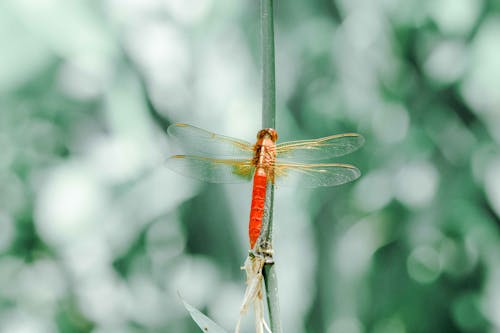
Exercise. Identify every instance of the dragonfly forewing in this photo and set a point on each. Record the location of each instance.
(320, 149)
(197, 141)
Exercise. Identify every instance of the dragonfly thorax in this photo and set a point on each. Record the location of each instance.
(264, 154)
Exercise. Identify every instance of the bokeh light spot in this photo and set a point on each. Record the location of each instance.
(492, 184)
(374, 191)
(423, 264)
(346, 325)
(390, 325)
(447, 61)
(390, 123)
(188, 11)
(455, 16)
(466, 312)
(7, 232)
(69, 205)
(416, 184)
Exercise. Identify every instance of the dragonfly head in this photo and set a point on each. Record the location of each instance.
(268, 133)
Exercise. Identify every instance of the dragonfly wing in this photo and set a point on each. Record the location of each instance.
(199, 141)
(212, 170)
(318, 149)
(314, 175)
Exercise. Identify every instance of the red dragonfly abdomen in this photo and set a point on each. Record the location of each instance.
(257, 207)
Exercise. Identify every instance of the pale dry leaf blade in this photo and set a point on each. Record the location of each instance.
(204, 323)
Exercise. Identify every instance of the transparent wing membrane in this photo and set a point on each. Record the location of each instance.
(320, 149)
(212, 170)
(194, 140)
(314, 175)
(227, 160)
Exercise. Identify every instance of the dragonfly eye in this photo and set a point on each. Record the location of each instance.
(269, 132)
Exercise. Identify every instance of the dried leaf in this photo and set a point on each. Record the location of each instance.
(206, 324)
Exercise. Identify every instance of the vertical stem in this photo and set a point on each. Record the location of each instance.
(271, 282)
(268, 71)
(269, 121)
(265, 241)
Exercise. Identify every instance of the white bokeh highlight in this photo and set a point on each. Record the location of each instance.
(416, 184)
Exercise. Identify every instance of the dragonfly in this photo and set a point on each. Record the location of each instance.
(221, 159)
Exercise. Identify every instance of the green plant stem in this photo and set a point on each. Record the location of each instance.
(268, 71)
(269, 121)
(271, 282)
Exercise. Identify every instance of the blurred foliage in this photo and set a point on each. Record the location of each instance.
(97, 236)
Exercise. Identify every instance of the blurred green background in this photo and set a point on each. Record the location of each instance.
(96, 235)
